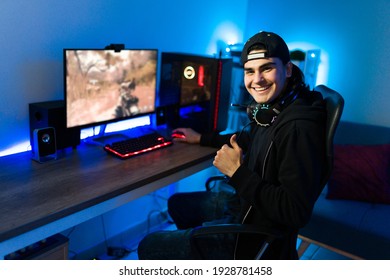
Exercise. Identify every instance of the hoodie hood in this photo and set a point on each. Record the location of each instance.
(309, 106)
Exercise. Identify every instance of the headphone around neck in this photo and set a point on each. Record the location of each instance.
(266, 114)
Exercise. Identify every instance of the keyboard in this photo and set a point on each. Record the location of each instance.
(125, 149)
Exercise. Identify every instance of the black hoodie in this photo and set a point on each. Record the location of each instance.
(280, 179)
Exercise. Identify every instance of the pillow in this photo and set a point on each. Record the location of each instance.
(361, 173)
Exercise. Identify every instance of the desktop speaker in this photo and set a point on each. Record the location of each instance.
(44, 140)
(52, 114)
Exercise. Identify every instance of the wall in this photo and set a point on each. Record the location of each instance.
(354, 38)
(33, 34)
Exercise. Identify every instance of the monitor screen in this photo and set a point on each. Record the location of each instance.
(104, 86)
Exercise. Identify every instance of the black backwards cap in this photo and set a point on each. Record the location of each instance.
(273, 44)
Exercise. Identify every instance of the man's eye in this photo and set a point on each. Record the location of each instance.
(266, 69)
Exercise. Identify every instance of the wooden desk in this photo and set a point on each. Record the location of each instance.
(39, 200)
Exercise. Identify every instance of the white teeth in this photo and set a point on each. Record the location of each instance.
(260, 89)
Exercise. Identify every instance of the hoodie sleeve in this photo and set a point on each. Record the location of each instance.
(214, 139)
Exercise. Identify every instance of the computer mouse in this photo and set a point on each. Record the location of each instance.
(178, 134)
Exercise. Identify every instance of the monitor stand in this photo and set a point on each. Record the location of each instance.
(103, 138)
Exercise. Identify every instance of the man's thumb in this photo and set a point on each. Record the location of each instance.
(233, 142)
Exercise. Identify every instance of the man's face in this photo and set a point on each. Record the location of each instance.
(265, 78)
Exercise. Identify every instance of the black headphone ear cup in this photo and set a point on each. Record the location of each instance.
(262, 114)
(265, 116)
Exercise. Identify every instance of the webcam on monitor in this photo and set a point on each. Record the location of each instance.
(115, 47)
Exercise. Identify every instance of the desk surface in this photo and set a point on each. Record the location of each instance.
(34, 194)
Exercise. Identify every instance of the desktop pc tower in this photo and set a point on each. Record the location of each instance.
(194, 91)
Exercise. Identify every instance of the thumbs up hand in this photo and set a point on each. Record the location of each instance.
(229, 159)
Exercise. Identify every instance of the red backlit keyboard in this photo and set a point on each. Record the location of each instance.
(135, 146)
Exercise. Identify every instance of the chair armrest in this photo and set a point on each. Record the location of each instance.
(269, 234)
(235, 228)
(213, 179)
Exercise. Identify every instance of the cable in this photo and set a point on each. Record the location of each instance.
(242, 130)
(162, 214)
(104, 231)
(71, 231)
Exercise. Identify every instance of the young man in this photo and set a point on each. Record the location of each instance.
(275, 165)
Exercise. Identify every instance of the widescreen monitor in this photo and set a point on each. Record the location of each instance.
(103, 86)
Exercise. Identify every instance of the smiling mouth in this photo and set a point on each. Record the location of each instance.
(259, 89)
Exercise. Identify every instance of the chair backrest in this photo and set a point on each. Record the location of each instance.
(334, 109)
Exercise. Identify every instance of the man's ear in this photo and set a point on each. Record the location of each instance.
(289, 67)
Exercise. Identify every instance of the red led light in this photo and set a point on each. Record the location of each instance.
(201, 76)
(127, 155)
(217, 95)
